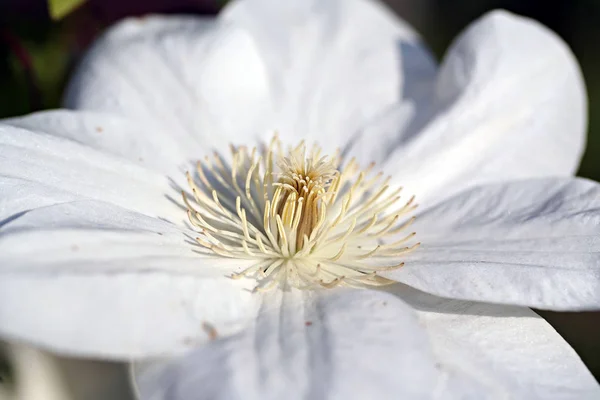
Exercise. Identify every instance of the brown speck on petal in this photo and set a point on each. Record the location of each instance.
(210, 330)
(308, 323)
(99, 129)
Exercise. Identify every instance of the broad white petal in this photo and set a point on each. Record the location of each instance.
(308, 69)
(91, 279)
(533, 243)
(38, 169)
(137, 141)
(307, 345)
(335, 64)
(355, 344)
(509, 103)
(198, 80)
(512, 339)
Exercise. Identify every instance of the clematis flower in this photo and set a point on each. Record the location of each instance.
(206, 205)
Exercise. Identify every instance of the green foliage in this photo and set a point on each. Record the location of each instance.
(60, 8)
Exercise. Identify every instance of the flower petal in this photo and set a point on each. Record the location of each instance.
(509, 103)
(310, 69)
(178, 73)
(512, 339)
(334, 64)
(534, 243)
(88, 278)
(38, 168)
(337, 344)
(196, 79)
(360, 344)
(135, 141)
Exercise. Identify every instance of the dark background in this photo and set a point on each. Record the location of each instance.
(37, 53)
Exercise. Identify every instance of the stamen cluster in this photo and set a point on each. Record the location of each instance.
(305, 219)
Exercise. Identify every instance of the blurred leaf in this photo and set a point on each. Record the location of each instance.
(60, 8)
(50, 62)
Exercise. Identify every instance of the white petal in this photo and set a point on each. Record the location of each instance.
(198, 80)
(311, 69)
(88, 278)
(38, 169)
(334, 64)
(136, 141)
(533, 243)
(509, 103)
(514, 340)
(350, 345)
(307, 345)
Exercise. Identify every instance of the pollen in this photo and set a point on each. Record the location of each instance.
(305, 219)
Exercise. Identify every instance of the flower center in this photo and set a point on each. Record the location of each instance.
(299, 195)
(306, 220)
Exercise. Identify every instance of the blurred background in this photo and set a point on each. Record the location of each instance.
(41, 40)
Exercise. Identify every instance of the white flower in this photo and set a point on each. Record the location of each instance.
(98, 257)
